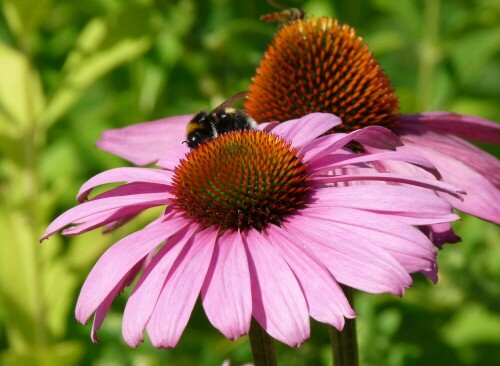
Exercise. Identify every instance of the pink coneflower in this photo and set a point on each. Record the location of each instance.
(257, 223)
(318, 65)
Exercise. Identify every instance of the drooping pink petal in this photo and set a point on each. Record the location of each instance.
(278, 303)
(409, 246)
(330, 162)
(117, 261)
(181, 290)
(114, 225)
(104, 218)
(226, 294)
(353, 261)
(303, 130)
(394, 178)
(117, 217)
(467, 127)
(145, 143)
(325, 299)
(456, 148)
(103, 309)
(143, 299)
(432, 274)
(441, 234)
(87, 209)
(420, 206)
(481, 193)
(375, 136)
(144, 175)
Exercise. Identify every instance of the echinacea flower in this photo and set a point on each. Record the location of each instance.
(257, 223)
(318, 65)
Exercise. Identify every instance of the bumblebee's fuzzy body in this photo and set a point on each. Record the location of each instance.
(205, 126)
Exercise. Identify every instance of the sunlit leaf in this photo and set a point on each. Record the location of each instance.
(60, 354)
(20, 280)
(91, 59)
(21, 95)
(24, 16)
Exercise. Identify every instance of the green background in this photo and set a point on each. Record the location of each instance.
(71, 69)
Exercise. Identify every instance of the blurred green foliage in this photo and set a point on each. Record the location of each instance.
(71, 69)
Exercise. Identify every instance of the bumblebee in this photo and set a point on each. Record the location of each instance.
(206, 126)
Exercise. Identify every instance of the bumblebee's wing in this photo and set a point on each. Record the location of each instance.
(230, 101)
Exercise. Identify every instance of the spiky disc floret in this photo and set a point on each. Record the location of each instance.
(317, 65)
(240, 180)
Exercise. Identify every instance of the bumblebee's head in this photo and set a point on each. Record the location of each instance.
(197, 137)
(197, 131)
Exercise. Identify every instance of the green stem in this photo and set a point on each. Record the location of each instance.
(428, 55)
(262, 346)
(344, 343)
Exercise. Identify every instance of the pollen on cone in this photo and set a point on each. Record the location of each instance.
(318, 65)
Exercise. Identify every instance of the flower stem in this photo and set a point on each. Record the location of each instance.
(344, 343)
(262, 346)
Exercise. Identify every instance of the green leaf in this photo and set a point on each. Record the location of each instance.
(99, 49)
(473, 324)
(24, 16)
(471, 53)
(20, 286)
(404, 12)
(60, 354)
(21, 94)
(37, 285)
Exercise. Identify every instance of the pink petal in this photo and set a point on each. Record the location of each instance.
(337, 161)
(117, 261)
(374, 136)
(278, 302)
(432, 274)
(145, 143)
(181, 290)
(395, 178)
(303, 130)
(145, 175)
(226, 294)
(103, 309)
(467, 127)
(143, 299)
(267, 126)
(454, 147)
(87, 209)
(398, 201)
(441, 234)
(352, 260)
(117, 217)
(172, 157)
(325, 299)
(104, 218)
(482, 196)
(410, 247)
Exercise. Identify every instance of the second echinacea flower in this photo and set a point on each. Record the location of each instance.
(319, 65)
(257, 223)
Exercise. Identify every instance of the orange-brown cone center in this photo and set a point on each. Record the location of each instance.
(241, 180)
(317, 65)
